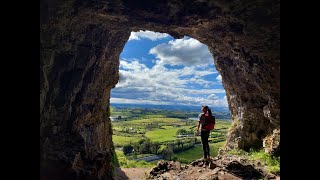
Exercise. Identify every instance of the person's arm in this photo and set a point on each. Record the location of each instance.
(199, 122)
(198, 126)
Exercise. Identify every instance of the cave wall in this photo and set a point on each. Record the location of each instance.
(80, 44)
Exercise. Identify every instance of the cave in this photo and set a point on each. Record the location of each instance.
(80, 44)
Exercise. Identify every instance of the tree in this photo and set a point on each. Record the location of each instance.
(178, 144)
(154, 147)
(127, 149)
(145, 148)
(167, 153)
(182, 132)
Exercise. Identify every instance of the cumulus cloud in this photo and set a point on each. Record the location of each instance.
(186, 51)
(212, 96)
(148, 35)
(133, 65)
(219, 78)
(221, 102)
(138, 101)
(214, 101)
(160, 85)
(179, 75)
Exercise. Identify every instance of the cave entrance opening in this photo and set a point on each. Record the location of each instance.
(163, 82)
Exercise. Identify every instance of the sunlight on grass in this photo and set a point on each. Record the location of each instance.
(162, 135)
(272, 163)
(154, 120)
(123, 140)
(125, 163)
(197, 152)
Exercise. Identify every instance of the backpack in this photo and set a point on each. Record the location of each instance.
(210, 121)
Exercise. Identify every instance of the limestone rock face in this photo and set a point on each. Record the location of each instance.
(80, 44)
(271, 143)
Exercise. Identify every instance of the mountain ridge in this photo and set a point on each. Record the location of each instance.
(170, 107)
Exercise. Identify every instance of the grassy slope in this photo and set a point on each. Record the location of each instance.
(123, 140)
(272, 163)
(166, 133)
(162, 135)
(197, 153)
(125, 163)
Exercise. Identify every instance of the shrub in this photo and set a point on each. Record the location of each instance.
(127, 149)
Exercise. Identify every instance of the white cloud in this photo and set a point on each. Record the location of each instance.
(187, 52)
(159, 85)
(137, 101)
(148, 35)
(162, 85)
(219, 78)
(212, 96)
(205, 73)
(221, 102)
(216, 102)
(133, 65)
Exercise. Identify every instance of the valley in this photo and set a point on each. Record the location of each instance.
(169, 134)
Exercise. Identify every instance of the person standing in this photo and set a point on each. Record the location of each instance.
(206, 111)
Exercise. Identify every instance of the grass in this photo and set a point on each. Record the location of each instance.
(154, 116)
(222, 124)
(167, 127)
(138, 156)
(125, 163)
(238, 152)
(234, 125)
(162, 135)
(197, 152)
(272, 163)
(153, 120)
(117, 128)
(164, 131)
(123, 140)
(214, 134)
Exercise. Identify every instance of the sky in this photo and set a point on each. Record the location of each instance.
(157, 69)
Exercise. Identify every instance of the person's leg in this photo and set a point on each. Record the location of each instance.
(206, 143)
(204, 146)
(208, 147)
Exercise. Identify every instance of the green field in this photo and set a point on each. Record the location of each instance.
(153, 120)
(197, 153)
(122, 140)
(160, 132)
(126, 163)
(162, 135)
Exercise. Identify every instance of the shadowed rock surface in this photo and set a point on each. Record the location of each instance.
(224, 167)
(80, 44)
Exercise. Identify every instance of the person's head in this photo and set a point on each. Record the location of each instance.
(204, 109)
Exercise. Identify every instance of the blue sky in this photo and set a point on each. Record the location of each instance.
(155, 68)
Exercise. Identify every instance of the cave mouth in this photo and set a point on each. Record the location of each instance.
(80, 44)
(162, 77)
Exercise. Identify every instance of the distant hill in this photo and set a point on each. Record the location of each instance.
(220, 112)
